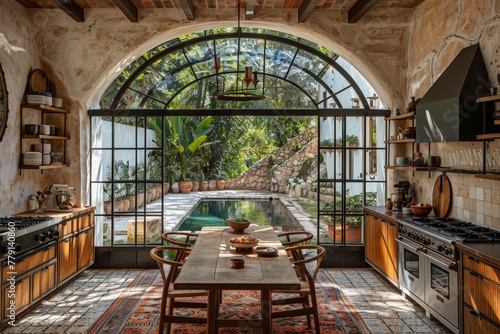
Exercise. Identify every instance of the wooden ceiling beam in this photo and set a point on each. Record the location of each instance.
(188, 8)
(72, 9)
(129, 9)
(305, 9)
(359, 9)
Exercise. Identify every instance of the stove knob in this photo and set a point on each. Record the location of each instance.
(448, 251)
(50, 234)
(441, 248)
(56, 233)
(427, 241)
(40, 238)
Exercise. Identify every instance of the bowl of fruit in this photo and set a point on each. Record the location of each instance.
(421, 210)
(245, 242)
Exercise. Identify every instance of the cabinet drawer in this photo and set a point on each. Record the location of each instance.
(482, 268)
(482, 294)
(44, 280)
(474, 323)
(30, 262)
(67, 227)
(85, 221)
(20, 293)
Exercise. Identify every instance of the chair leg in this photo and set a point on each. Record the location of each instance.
(162, 313)
(170, 312)
(315, 313)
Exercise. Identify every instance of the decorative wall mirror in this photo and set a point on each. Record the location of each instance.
(4, 106)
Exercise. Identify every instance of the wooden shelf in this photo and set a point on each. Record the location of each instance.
(494, 177)
(491, 98)
(488, 136)
(496, 121)
(51, 166)
(45, 108)
(407, 115)
(45, 137)
(400, 141)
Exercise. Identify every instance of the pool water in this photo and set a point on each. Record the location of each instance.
(214, 212)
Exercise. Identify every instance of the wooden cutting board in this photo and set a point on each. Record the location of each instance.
(441, 196)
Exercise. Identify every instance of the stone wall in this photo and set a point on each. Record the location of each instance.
(290, 157)
(440, 29)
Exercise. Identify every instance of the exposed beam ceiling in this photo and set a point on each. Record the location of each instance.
(128, 8)
(360, 8)
(72, 9)
(188, 8)
(305, 9)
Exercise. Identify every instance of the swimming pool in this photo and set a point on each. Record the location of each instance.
(213, 212)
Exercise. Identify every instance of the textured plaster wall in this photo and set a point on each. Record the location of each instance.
(83, 59)
(440, 29)
(18, 53)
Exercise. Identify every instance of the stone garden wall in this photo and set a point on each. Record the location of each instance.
(289, 158)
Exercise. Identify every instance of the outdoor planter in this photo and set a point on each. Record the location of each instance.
(196, 186)
(221, 184)
(211, 185)
(185, 187)
(204, 185)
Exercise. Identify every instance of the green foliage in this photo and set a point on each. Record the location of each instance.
(327, 143)
(351, 139)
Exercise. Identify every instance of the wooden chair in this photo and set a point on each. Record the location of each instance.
(307, 260)
(169, 270)
(295, 238)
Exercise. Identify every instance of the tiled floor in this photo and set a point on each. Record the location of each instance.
(79, 305)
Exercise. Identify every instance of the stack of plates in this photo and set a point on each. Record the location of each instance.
(48, 100)
(32, 158)
(57, 102)
(42, 148)
(36, 99)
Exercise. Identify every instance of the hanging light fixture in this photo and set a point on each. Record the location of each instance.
(246, 90)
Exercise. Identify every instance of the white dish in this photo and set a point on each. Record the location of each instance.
(44, 129)
(266, 251)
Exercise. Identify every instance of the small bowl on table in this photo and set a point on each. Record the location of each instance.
(238, 226)
(244, 243)
(421, 211)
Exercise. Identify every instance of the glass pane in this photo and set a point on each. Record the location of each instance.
(142, 230)
(440, 281)
(279, 56)
(124, 132)
(411, 263)
(101, 133)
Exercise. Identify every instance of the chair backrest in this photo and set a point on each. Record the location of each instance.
(167, 259)
(307, 261)
(182, 239)
(295, 238)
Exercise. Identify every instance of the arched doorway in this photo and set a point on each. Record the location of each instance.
(186, 75)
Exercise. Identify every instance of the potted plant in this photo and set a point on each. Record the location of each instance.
(352, 140)
(327, 144)
(189, 137)
(238, 224)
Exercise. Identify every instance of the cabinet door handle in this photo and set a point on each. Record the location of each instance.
(473, 259)
(478, 275)
(66, 241)
(475, 313)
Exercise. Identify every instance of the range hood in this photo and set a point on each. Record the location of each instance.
(448, 111)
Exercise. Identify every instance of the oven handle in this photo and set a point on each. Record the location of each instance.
(422, 250)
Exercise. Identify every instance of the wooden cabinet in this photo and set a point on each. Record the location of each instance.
(480, 296)
(489, 136)
(381, 250)
(38, 114)
(76, 245)
(33, 277)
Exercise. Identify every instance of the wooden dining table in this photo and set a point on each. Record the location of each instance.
(208, 267)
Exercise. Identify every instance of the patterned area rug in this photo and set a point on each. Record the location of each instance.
(137, 310)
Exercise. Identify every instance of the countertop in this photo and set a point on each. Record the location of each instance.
(57, 214)
(388, 214)
(488, 252)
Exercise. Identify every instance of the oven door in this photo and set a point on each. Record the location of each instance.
(410, 268)
(441, 286)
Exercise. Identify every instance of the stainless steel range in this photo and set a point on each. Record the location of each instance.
(428, 262)
(21, 236)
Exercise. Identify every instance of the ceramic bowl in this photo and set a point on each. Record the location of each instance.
(44, 129)
(31, 129)
(238, 227)
(421, 211)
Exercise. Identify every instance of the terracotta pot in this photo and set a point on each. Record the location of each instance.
(196, 186)
(352, 233)
(131, 201)
(211, 185)
(166, 187)
(185, 186)
(204, 185)
(107, 208)
(140, 200)
(221, 184)
(175, 187)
